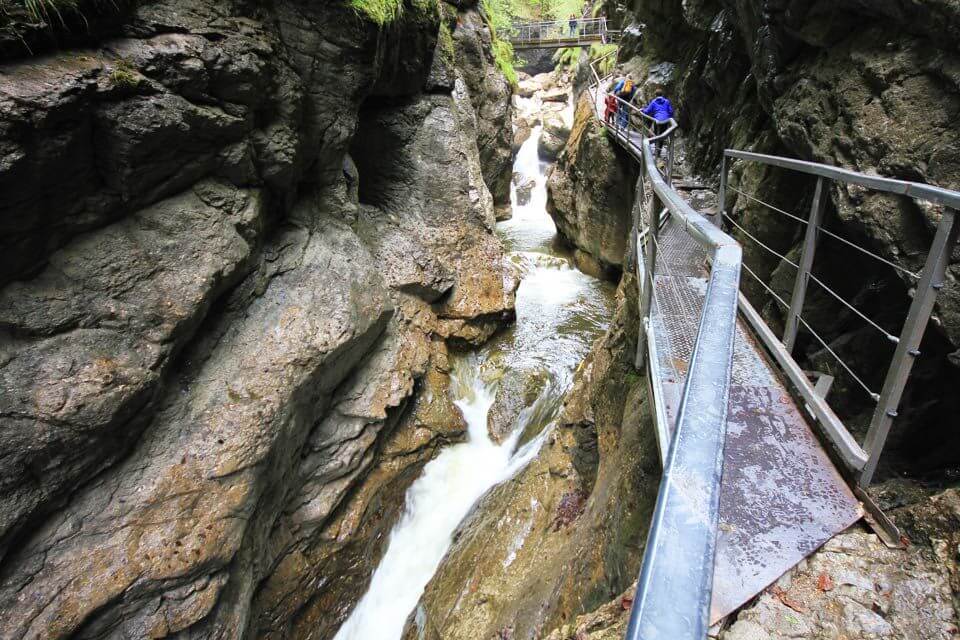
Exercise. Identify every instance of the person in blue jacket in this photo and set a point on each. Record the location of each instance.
(660, 110)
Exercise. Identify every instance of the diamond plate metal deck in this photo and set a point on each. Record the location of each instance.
(781, 497)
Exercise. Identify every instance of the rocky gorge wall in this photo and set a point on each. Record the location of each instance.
(237, 240)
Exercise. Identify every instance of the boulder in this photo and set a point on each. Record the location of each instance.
(517, 390)
(559, 94)
(524, 190)
(521, 133)
(590, 191)
(553, 137)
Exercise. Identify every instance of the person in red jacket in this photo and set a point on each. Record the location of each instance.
(610, 108)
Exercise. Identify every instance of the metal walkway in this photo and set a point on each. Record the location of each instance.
(561, 34)
(748, 489)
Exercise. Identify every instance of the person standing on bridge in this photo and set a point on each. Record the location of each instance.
(573, 24)
(661, 110)
(624, 90)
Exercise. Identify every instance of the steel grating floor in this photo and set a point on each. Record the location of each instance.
(781, 498)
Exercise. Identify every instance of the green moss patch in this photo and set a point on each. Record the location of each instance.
(383, 12)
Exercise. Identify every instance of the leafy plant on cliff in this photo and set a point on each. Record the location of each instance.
(384, 12)
(568, 57)
(498, 19)
(379, 11)
(20, 17)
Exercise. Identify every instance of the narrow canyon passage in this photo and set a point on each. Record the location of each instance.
(560, 312)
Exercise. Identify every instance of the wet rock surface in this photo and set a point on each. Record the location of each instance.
(223, 335)
(591, 190)
(566, 534)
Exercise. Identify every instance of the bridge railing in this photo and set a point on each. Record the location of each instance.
(567, 32)
(675, 585)
(861, 460)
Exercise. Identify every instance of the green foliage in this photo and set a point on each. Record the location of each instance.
(383, 12)
(20, 17)
(545, 9)
(503, 55)
(499, 18)
(380, 12)
(499, 14)
(124, 75)
(598, 51)
(569, 57)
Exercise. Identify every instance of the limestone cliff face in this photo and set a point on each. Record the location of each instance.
(237, 238)
(590, 190)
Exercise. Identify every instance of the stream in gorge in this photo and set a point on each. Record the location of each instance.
(560, 313)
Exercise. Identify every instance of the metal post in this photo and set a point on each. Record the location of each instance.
(931, 281)
(649, 274)
(806, 262)
(722, 195)
(670, 161)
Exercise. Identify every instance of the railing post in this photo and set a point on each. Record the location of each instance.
(649, 273)
(932, 280)
(670, 160)
(806, 262)
(722, 195)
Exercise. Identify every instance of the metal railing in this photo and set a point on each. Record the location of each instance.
(861, 460)
(561, 33)
(676, 581)
(675, 586)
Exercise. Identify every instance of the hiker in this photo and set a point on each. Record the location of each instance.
(610, 108)
(573, 24)
(625, 89)
(661, 111)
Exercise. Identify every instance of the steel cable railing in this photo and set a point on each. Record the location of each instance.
(860, 459)
(675, 585)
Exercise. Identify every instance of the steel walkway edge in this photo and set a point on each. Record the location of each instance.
(780, 497)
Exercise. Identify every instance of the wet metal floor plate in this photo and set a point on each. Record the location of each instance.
(781, 498)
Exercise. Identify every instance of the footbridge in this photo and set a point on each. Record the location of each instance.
(559, 34)
(758, 469)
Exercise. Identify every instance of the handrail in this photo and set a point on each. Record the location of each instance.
(675, 584)
(860, 460)
(918, 190)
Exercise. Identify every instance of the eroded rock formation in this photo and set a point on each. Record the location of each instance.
(237, 239)
(591, 190)
(566, 534)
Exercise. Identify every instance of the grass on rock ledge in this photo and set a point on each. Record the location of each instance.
(24, 20)
(383, 12)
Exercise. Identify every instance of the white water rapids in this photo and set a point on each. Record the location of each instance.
(560, 311)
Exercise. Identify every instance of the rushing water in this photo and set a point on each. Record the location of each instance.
(560, 312)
